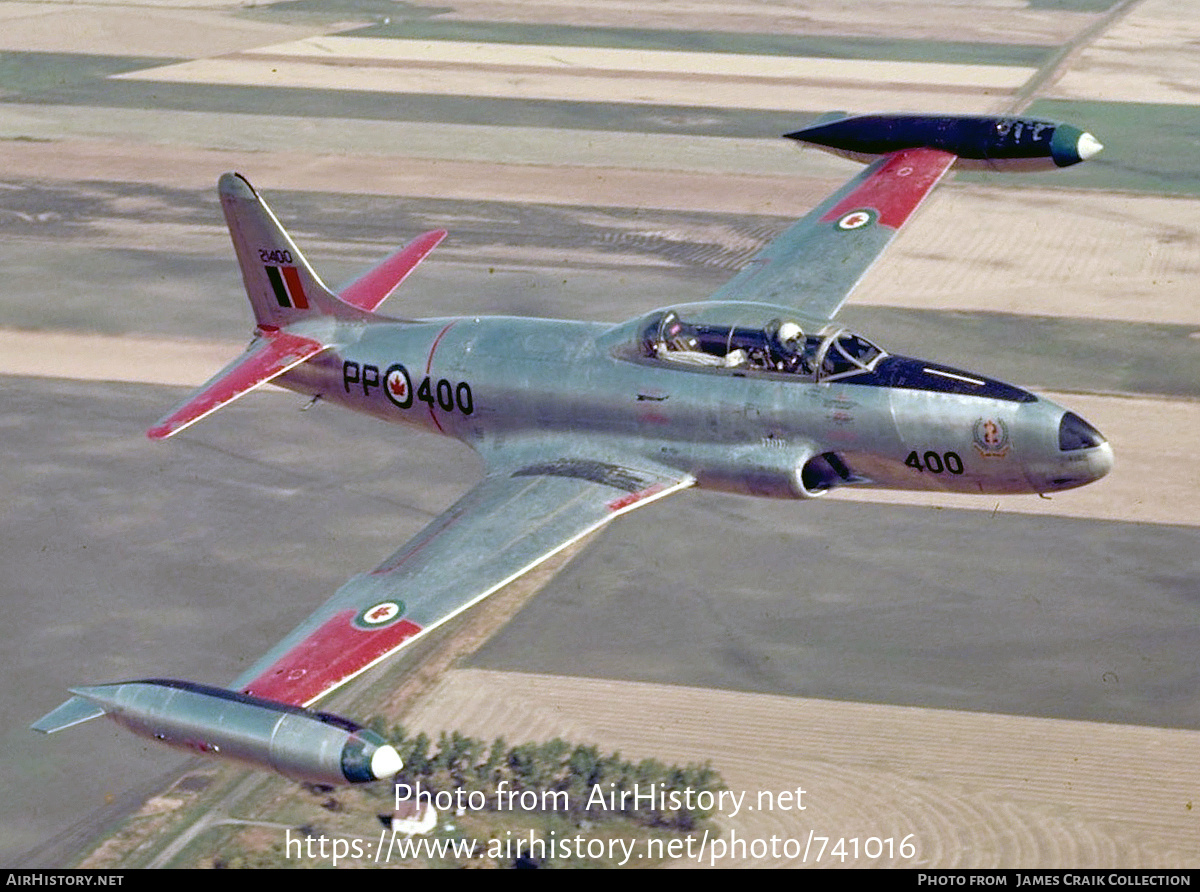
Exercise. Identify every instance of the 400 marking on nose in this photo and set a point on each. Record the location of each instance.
(398, 388)
(935, 463)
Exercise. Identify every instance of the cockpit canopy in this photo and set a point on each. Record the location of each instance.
(755, 338)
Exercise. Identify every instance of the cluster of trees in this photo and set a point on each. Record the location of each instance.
(574, 779)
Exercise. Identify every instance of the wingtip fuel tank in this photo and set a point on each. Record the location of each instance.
(304, 745)
(979, 141)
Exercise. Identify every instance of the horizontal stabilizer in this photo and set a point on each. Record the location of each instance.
(75, 711)
(268, 356)
(374, 287)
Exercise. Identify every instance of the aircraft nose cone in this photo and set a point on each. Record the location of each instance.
(1088, 146)
(1074, 434)
(386, 762)
(1084, 454)
(1070, 145)
(1101, 461)
(1095, 464)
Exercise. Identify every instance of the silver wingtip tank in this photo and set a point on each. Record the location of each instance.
(304, 745)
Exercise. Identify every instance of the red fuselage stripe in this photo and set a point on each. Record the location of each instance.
(429, 365)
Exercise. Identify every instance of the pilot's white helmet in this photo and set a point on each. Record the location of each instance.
(790, 334)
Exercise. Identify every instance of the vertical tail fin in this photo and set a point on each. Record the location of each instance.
(282, 287)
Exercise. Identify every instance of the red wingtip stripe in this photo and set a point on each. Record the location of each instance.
(634, 497)
(335, 652)
(897, 188)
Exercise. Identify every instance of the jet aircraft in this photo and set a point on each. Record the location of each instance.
(756, 390)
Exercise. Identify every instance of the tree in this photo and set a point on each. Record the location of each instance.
(417, 763)
(493, 770)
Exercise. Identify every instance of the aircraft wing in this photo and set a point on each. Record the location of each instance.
(817, 263)
(530, 506)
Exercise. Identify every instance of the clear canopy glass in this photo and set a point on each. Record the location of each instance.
(755, 338)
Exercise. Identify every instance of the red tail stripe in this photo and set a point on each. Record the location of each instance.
(295, 289)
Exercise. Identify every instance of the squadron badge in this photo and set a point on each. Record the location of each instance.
(991, 437)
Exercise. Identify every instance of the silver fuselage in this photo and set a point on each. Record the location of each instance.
(491, 381)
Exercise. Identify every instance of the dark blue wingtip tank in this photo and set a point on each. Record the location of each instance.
(979, 141)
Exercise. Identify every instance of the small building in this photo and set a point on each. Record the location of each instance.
(414, 817)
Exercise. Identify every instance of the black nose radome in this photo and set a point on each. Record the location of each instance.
(1075, 433)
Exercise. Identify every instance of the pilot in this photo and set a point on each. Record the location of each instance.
(737, 358)
(676, 336)
(787, 343)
